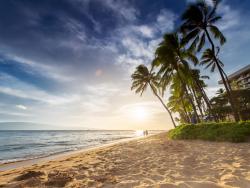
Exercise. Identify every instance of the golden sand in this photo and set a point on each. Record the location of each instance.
(153, 161)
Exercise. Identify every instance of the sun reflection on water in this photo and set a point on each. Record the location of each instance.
(139, 132)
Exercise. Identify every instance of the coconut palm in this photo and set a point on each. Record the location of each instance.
(198, 25)
(142, 78)
(172, 58)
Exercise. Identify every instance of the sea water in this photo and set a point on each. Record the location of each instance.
(23, 145)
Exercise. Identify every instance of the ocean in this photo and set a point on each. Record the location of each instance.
(23, 145)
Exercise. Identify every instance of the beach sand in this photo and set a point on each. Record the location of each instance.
(153, 161)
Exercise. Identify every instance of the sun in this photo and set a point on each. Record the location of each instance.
(140, 113)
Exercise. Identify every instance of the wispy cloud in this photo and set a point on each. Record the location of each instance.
(139, 41)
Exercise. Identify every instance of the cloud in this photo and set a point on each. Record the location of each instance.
(138, 42)
(230, 17)
(165, 20)
(209, 2)
(145, 31)
(22, 107)
(151, 107)
(122, 8)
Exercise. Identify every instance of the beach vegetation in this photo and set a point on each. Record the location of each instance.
(223, 131)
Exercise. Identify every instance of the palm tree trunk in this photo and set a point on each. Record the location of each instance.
(228, 82)
(160, 99)
(185, 110)
(197, 102)
(232, 94)
(236, 115)
(206, 99)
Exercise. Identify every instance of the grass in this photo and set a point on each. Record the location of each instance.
(225, 131)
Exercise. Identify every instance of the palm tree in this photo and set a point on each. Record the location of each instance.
(199, 20)
(198, 84)
(210, 61)
(172, 58)
(142, 78)
(176, 104)
(177, 101)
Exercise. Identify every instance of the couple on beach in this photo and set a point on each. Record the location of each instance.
(145, 133)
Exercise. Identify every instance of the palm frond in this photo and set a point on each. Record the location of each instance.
(202, 42)
(191, 35)
(213, 67)
(215, 19)
(217, 34)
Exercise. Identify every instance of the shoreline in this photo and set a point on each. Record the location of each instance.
(152, 161)
(29, 162)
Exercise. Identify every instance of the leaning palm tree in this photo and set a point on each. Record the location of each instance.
(198, 25)
(172, 59)
(142, 78)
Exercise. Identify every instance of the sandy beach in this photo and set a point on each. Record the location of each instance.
(153, 161)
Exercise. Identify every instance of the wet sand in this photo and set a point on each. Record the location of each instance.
(153, 161)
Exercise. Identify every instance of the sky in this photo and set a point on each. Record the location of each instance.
(67, 63)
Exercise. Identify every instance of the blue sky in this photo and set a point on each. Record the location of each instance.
(68, 62)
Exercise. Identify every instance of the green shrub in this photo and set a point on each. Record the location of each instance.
(225, 131)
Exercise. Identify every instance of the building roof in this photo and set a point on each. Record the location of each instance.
(237, 73)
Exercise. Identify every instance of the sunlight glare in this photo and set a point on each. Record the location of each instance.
(140, 113)
(139, 132)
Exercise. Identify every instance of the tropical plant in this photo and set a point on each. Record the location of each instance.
(172, 58)
(198, 25)
(142, 78)
(222, 108)
(178, 101)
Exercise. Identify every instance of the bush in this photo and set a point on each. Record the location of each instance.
(225, 131)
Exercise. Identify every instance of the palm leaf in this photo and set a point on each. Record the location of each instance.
(213, 67)
(215, 19)
(194, 44)
(202, 42)
(217, 34)
(190, 36)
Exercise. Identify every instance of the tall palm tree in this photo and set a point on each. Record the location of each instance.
(142, 78)
(198, 25)
(172, 58)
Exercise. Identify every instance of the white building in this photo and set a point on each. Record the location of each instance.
(240, 79)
